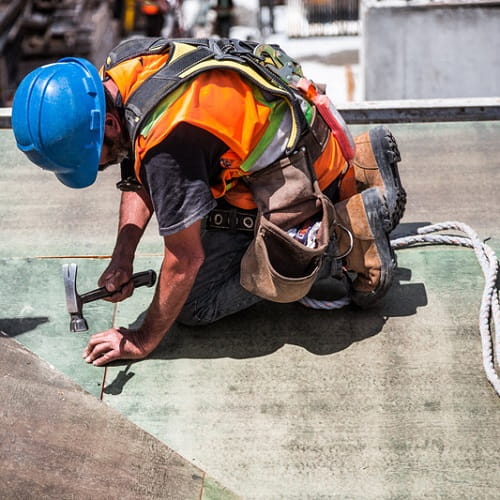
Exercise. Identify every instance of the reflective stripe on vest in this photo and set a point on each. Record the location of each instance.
(227, 107)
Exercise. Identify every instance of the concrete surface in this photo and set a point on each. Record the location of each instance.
(430, 49)
(60, 442)
(277, 402)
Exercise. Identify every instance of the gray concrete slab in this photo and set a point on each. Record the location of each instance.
(57, 441)
(42, 217)
(429, 49)
(281, 401)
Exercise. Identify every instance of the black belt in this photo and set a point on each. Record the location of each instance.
(231, 218)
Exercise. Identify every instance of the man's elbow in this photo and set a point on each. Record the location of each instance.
(184, 252)
(197, 260)
(187, 264)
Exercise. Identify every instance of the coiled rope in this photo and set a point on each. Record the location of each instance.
(489, 312)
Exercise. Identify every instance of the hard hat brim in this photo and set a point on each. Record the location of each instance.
(58, 117)
(78, 179)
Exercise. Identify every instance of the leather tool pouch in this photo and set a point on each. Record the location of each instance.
(276, 266)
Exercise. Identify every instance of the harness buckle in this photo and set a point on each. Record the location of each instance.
(288, 69)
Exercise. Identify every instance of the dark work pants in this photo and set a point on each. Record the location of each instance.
(217, 291)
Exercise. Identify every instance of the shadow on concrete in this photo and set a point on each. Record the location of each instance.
(12, 327)
(117, 385)
(267, 327)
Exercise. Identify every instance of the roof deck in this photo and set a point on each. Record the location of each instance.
(278, 401)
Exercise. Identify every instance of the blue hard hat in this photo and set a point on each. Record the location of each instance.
(58, 119)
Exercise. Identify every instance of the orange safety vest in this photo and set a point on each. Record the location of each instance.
(222, 102)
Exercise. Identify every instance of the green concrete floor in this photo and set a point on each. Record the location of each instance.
(280, 401)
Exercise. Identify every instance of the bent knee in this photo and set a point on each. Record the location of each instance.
(190, 315)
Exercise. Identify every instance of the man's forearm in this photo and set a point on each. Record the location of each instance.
(174, 284)
(135, 212)
(183, 258)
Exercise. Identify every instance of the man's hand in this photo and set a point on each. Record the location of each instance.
(182, 259)
(116, 275)
(116, 343)
(135, 211)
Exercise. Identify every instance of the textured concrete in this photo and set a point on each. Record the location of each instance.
(57, 441)
(429, 49)
(41, 217)
(280, 401)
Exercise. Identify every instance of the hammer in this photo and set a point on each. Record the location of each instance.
(75, 302)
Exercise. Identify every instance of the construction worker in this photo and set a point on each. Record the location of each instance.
(203, 139)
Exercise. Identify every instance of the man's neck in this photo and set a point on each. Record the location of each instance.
(111, 87)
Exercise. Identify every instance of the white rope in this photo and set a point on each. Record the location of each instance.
(327, 305)
(490, 309)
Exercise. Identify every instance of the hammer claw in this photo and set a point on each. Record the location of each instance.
(74, 301)
(72, 298)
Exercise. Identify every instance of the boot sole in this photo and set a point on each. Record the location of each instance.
(377, 214)
(387, 156)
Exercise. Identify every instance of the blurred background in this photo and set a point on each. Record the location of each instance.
(35, 32)
(363, 49)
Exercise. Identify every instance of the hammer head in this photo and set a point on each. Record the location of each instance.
(73, 300)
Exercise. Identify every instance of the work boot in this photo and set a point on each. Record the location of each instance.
(363, 242)
(376, 165)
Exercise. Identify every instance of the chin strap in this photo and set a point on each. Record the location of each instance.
(128, 181)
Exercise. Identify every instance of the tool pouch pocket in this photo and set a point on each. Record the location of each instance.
(276, 266)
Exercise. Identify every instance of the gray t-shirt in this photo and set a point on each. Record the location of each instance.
(177, 175)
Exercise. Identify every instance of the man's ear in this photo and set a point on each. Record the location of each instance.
(112, 127)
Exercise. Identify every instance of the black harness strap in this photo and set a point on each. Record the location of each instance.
(158, 86)
(230, 219)
(129, 49)
(214, 54)
(167, 78)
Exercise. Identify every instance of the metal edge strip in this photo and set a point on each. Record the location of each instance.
(401, 111)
